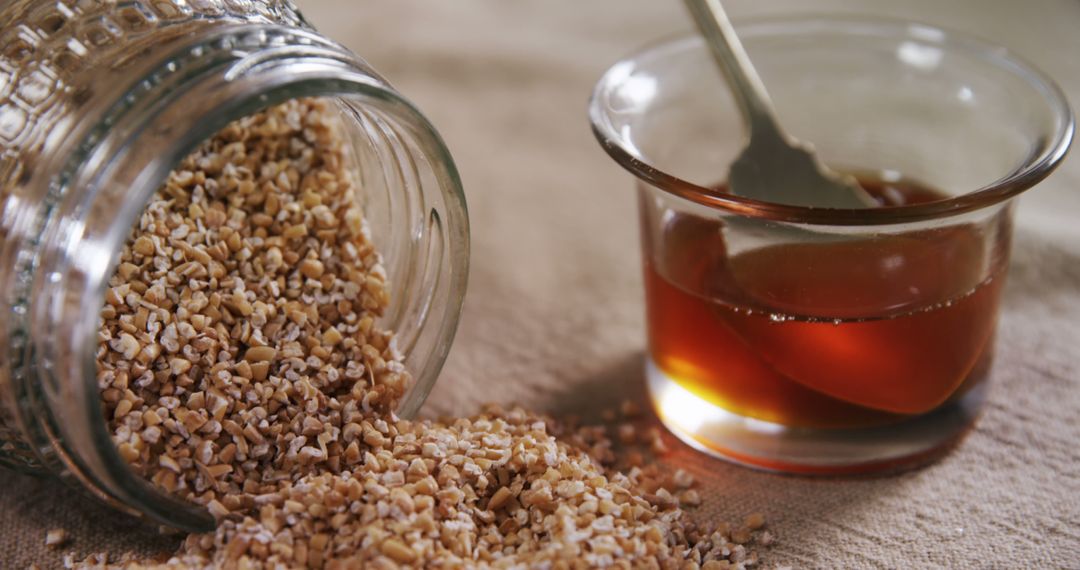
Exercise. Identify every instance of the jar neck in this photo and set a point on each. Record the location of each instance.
(69, 240)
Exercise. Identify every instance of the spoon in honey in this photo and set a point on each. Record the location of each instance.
(774, 166)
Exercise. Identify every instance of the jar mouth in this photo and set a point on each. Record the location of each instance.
(615, 136)
(128, 158)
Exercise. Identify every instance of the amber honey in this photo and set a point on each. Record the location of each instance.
(835, 332)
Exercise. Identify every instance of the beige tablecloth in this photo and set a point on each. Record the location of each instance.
(553, 316)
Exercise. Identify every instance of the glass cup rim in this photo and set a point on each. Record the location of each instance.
(1032, 170)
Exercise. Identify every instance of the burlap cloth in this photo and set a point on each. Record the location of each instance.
(553, 315)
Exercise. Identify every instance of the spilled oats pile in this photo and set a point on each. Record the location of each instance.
(241, 367)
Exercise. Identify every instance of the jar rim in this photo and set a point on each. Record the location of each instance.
(327, 72)
(1033, 170)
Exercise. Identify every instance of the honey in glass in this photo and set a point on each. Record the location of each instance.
(828, 334)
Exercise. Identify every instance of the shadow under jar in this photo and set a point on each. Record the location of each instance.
(815, 340)
(99, 100)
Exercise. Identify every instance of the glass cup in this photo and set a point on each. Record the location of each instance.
(816, 340)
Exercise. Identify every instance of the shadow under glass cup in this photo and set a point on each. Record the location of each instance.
(816, 340)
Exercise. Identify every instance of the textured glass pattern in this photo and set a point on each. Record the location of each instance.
(57, 58)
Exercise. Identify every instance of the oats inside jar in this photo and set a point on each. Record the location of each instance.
(238, 344)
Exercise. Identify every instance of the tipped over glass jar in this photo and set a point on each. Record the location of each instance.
(99, 102)
(818, 340)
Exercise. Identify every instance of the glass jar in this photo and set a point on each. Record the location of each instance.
(98, 100)
(818, 340)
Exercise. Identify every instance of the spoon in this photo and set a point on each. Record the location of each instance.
(774, 167)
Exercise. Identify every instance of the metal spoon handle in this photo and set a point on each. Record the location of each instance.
(746, 85)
